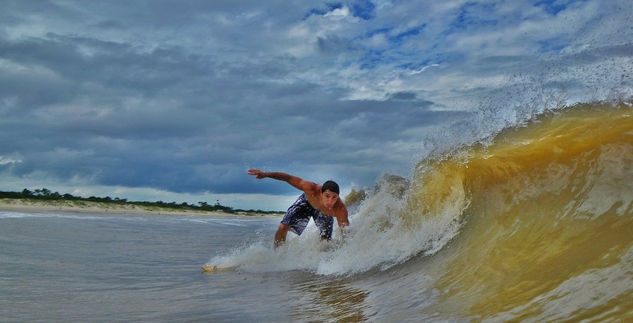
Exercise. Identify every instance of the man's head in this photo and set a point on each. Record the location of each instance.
(330, 186)
(329, 194)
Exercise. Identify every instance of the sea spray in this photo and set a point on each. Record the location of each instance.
(389, 228)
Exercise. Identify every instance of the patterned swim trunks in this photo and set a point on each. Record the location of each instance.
(298, 216)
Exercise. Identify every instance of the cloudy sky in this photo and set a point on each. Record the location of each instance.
(175, 100)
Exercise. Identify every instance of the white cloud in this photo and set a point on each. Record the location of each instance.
(377, 41)
(338, 14)
(422, 69)
(8, 160)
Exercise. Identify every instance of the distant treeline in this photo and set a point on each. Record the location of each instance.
(46, 194)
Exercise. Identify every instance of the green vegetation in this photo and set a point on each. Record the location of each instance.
(46, 194)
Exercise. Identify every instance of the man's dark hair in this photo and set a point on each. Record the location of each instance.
(330, 186)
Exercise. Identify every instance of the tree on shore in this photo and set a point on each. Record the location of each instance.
(46, 194)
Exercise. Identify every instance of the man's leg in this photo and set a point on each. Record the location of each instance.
(280, 235)
(325, 224)
(295, 220)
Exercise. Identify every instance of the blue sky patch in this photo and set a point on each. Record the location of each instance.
(363, 9)
(553, 6)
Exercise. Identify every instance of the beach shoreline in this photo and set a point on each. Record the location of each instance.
(47, 206)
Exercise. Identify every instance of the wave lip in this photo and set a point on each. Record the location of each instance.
(551, 207)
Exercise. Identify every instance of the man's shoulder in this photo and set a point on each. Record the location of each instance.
(312, 189)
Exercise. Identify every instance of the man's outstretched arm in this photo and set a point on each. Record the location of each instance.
(290, 179)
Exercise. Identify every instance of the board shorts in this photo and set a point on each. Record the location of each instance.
(299, 214)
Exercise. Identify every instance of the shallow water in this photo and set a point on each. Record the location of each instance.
(58, 267)
(69, 267)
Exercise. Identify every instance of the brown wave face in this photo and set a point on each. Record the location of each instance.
(547, 220)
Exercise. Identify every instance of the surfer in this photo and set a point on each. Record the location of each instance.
(321, 202)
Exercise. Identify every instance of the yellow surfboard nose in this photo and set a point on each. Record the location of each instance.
(216, 268)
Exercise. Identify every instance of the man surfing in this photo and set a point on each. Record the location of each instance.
(321, 202)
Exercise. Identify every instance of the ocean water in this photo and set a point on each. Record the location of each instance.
(533, 224)
(85, 267)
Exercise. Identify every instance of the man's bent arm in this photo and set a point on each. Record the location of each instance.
(342, 219)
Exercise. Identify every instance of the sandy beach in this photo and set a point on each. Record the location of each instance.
(33, 205)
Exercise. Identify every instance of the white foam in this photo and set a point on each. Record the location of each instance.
(377, 238)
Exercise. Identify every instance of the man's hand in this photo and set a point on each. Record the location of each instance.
(257, 173)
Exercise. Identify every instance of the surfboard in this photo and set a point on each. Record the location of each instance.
(216, 268)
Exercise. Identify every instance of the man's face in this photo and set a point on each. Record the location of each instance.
(329, 198)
